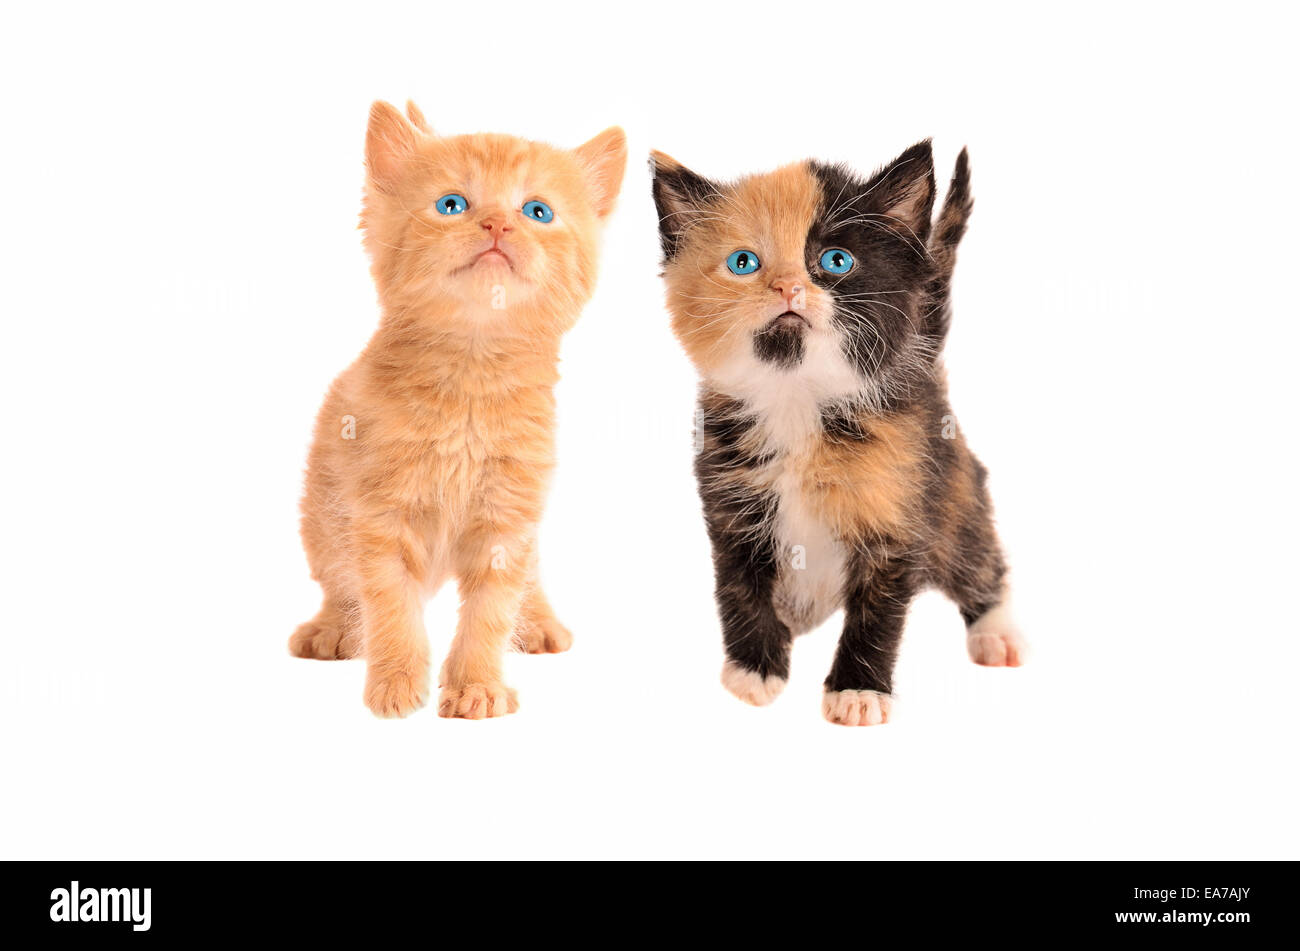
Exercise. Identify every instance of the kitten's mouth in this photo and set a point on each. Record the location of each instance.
(491, 256)
(494, 255)
(788, 321)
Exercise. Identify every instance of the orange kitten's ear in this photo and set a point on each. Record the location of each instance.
(417, 118)
(390, 141)
(604, 158)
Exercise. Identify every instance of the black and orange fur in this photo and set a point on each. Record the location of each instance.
(831, 470)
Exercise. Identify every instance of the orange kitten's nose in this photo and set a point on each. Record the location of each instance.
(791, 289)
(496, 224)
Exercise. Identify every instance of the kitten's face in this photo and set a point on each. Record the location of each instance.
(505, 227)
(809, 272)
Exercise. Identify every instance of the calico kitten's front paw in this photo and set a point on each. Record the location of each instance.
(395, 693)
(857, 707)
(750, 685)
(988, 649)
(545, 636)
(993, 640)
(476, 701)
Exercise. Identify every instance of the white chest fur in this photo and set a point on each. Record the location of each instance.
(788, 403)
(811, 560)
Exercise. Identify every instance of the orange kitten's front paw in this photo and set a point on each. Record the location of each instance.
(548, 636)
(317, 640)
(395, 693)
(857, 707)
(476, 701)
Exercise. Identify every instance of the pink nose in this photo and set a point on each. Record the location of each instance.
(497, 223)
(790, 288)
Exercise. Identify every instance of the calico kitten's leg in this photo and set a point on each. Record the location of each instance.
(978, 583)
(757, 645)
(740, 521)
(756, 641)
(493, 581)
(333, 634)
(394, 643)
(876, 598)
(539, 631)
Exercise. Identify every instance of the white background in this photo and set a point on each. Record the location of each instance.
(183, 277)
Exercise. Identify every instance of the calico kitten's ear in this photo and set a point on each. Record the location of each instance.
(904, 188)
(417, 118)
(680, 196)
(604, 158)
(390, 141)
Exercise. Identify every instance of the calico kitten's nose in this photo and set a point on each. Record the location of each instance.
(791, 289)
(496, 224)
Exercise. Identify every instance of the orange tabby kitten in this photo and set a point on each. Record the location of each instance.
(432, 451)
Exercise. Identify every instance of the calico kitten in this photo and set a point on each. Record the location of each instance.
(814, 304)
(432, 451)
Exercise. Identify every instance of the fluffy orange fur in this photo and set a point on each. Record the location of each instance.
(432, 452)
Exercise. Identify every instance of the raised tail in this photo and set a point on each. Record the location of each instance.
(944, 238)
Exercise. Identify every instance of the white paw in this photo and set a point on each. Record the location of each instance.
(993, 640)
(857, 707)
(751, 686)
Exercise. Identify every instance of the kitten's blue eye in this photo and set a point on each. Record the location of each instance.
(742, 262)
(538, 211)
(452, 204)
(837, 261)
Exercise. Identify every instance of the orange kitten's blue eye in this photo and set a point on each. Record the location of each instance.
(837, 261)
(538, 211)
(742, 262)
(452, 204)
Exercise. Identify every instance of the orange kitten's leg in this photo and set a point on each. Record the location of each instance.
(492, 591)
(395, 646)
(539, 631)
(331, 635)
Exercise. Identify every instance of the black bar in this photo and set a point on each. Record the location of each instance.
(826, 902)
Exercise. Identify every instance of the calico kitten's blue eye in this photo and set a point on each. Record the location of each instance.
(452, 204)
(538, 211)
(742, 262)
(837, 261)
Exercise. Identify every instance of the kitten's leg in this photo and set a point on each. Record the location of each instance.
(756, 641)
(992, 637)
(394, 642)
(739, 519)
(493, 580)
(977, 581)
(333, 634)
(876, 598)
(538, 630)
